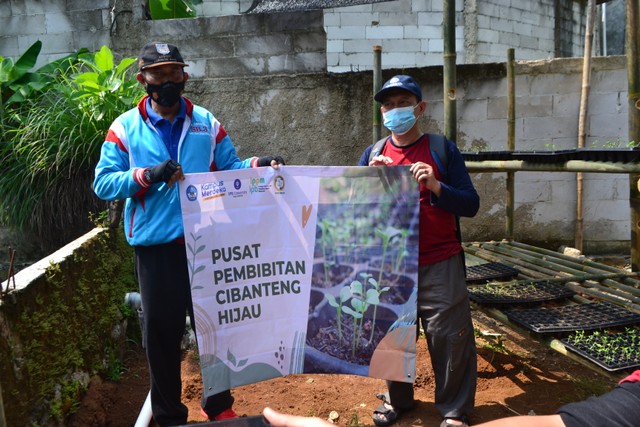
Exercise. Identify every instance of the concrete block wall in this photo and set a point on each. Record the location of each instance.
(63, 26)
(547, 111)
(409, 31)
(223, 7)
(235, 45)
(528, 27)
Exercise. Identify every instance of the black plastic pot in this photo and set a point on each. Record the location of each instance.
(338, 275)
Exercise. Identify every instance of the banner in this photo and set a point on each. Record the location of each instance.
(302, 269)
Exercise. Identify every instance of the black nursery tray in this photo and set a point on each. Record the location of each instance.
(611, 351)
(616, 155)
(519, 293)
(490, 271)
(576, 317)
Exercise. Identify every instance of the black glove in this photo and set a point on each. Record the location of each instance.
(266, 160)
(162, 172)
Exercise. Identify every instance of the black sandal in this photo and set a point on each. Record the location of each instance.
(390, 414)
(446, 423)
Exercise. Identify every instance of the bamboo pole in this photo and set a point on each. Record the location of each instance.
(605, 293)
(569, 166)
(511, 141)
(631, 278)
(579, 272)
(449, 68)
(582, 125)
(525, 267)
(536, 262)
(377, 84)
(633, 77)
(604, 272)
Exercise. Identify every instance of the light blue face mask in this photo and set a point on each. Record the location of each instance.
(400, 120)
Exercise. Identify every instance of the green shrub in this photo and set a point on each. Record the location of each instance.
(53, 141)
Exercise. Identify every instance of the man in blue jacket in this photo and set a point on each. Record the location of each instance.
(446, 193)
(147, 150)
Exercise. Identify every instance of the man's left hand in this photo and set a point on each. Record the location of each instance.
(273, 161)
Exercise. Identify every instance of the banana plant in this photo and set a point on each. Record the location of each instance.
(172, 9)
(18, 83)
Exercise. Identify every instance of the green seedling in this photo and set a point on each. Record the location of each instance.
(337, 303)
(361, 300)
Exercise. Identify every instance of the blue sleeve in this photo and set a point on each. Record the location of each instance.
(364, 159)
(226, 157)
(113, 178)
(458, 195)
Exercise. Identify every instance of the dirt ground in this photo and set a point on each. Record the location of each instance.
(516, 375)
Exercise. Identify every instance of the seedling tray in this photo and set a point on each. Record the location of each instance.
(518, 293)
(490, 271)
(610, 351)
(587, 316)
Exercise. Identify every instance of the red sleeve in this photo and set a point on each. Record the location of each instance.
(633, 378)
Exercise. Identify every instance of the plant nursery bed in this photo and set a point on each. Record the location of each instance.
(576, 317)
(612, 351)
(518, 293)
(482, 273)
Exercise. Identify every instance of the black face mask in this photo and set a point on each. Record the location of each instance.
(166, 94)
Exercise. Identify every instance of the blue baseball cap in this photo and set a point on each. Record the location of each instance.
(399, 82)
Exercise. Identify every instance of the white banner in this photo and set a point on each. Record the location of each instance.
(302, 269)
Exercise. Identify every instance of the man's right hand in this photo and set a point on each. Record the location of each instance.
(381, 160)
(168, 171)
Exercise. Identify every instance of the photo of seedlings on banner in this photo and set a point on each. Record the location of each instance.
(302, 269)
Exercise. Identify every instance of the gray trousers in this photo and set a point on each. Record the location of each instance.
(443, 310)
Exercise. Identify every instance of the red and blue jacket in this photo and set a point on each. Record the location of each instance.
(152, 214)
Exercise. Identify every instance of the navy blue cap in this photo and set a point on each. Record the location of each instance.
(399, 82)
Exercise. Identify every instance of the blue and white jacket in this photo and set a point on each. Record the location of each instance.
(152, 214)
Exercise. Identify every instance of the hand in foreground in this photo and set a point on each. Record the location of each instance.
(423, 173)
(167, 171)
(277, 419)
(381, 161)
(273, 161)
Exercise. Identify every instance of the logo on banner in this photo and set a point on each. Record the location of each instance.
(192, 193)
(237, 184)
(278, 182)
(258, 185)
(211, 190)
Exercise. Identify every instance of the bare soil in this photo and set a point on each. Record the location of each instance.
(517, 374)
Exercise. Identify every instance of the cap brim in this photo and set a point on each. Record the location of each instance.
(378, 96)
(157, 64)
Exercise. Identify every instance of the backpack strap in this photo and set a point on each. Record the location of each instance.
(436, 143)
(439, 152)
(377, 148)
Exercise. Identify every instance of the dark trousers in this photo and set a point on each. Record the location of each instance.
(163, 278)
(443, 310)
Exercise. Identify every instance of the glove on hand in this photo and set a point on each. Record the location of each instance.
(162, 172)
(266, 160)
